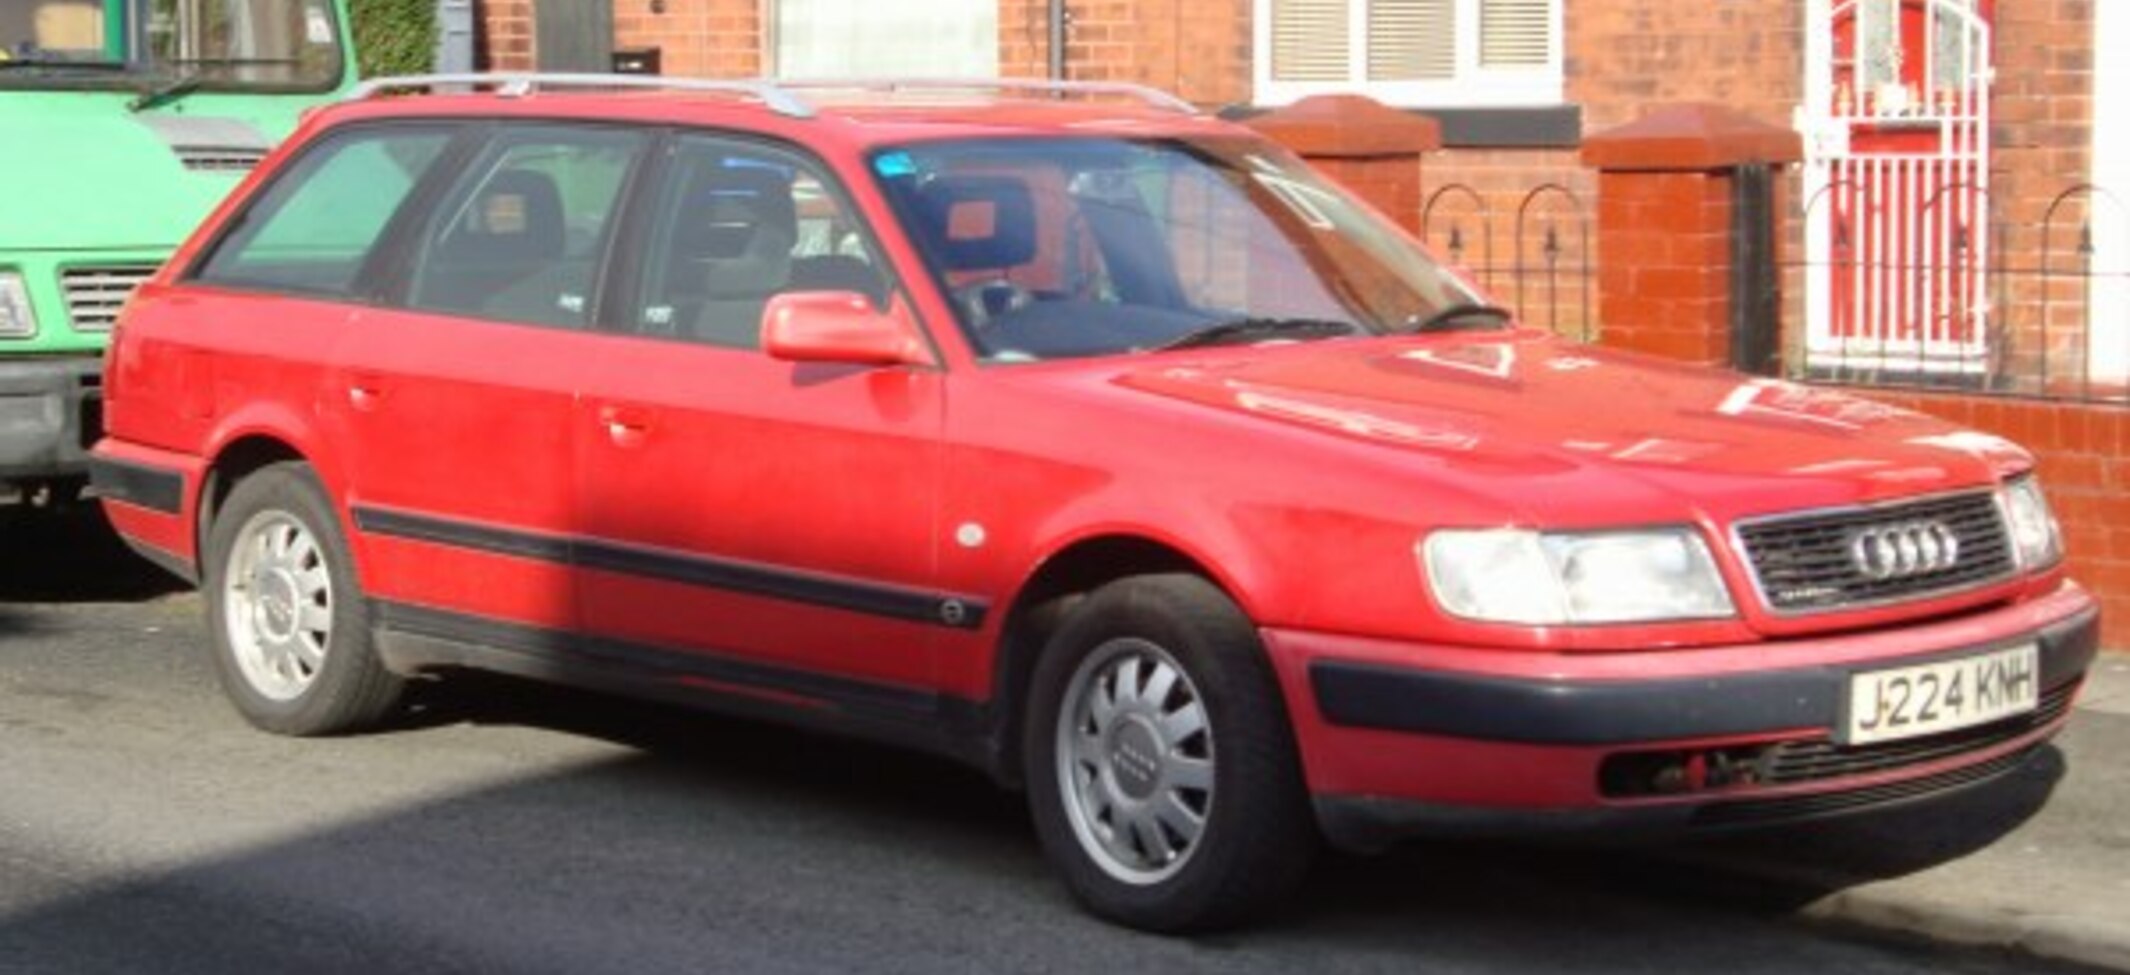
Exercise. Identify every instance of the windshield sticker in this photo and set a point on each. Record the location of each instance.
(892, 164)
(316, 28)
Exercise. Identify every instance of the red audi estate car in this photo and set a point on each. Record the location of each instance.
(1065, 431)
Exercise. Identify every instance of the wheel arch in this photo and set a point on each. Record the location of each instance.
(1058, 582)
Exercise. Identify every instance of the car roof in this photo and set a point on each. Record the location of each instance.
(856, 115)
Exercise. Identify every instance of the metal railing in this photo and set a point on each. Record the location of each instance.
(1547, 277)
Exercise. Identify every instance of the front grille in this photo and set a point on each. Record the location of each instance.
(1803, 563)
(1793, 762)
(95, 294)
(219, 159)
(1787, 808)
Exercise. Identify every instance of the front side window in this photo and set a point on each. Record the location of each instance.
(172, 47)
(520, 237)
(1054, 248)
(738, 224)
(314, 228)
(1419, 53)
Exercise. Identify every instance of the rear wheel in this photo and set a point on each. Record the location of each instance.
(290, 627)
(1161, 768)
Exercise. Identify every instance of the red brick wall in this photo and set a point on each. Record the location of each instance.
(506, 35)
(1199, 49)
(705, 38)
(2085, 465)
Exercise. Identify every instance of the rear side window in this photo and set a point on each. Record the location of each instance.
(519, 237)
(314, 228)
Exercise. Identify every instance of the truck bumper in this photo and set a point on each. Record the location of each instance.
(51, 411)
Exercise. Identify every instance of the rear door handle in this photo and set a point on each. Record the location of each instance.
(365, 394)
(626, 426)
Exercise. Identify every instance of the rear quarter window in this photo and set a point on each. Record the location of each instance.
(313, 229)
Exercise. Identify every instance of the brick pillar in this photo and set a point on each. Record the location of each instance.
(1664, 238)
(1370, 148)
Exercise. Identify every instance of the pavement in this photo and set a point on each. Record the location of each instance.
(2040, 865)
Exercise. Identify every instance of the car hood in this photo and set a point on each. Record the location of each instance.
(1556, 429)
(82, 172)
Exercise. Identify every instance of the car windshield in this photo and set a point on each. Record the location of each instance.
(170, 47)
(1062, 247)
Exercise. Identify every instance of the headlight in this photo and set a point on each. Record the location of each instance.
(1517, 576)
(16, 319)
(2036, 541)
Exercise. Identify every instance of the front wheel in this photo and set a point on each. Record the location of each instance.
(1161, 768)
(291, 630)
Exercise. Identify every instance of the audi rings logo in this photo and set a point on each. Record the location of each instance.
(1904, 549)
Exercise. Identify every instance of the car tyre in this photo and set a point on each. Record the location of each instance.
(289, 625)
(1162, 772)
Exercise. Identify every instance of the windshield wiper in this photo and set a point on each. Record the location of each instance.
(1461, 316)
(1256, 328)
(169, 91)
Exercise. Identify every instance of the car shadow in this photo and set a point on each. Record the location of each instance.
(1770, 871)
(713, 844)
(71, 555)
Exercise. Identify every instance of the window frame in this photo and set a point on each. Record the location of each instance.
(1471, 86)
(373, 276)
(395, 282)
(628, 264)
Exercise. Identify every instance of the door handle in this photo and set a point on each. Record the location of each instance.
(625, 426)
(365, 394)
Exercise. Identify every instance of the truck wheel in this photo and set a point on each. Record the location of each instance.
(1161, 769)
(290, 628)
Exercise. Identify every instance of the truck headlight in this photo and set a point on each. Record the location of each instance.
(16, 318)
(1542, 578)
(2036, 540)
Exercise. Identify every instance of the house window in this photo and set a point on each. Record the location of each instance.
(1420, 53)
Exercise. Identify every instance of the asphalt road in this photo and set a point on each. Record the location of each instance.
(511, 828)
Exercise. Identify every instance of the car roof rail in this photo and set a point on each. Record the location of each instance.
(520, 84)
(1149, 95)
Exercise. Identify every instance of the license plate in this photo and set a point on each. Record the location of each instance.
(1908, 702)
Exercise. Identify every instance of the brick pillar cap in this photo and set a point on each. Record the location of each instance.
(1690, 138)
(1349, 126)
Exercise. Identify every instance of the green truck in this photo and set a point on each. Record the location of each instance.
(122, 123)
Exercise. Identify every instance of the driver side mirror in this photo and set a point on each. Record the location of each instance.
(838, 326)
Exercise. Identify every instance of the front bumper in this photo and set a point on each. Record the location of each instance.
(1400, 739)
(50, 414)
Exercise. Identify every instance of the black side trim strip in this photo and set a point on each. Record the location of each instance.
(1492, 708)
(457, 534)
(853, 696)
(873, 599)
(142, 485)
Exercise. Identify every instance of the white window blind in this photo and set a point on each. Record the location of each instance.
(872, 38)
(1416, 52)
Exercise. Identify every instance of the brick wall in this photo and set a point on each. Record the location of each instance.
(1199, 49)
(2085, 465)
(504, 39)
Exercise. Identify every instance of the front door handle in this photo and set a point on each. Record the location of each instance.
(626, 426)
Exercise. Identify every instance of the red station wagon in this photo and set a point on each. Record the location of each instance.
(1065, 431)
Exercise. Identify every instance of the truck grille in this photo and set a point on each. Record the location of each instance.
(95, 294)
(1807, 563)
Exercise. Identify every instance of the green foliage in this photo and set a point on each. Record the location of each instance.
(394, 36)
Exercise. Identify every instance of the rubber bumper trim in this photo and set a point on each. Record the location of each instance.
(141, 485)
(1572, 712)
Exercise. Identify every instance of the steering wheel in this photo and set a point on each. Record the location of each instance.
(983, 302)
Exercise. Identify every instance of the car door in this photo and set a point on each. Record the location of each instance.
(764, 526)
(457, 387)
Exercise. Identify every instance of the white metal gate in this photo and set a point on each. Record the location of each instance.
(1896, 185)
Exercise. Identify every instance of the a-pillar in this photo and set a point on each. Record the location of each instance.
(1368, 147)
(1667, 242)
